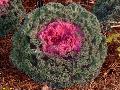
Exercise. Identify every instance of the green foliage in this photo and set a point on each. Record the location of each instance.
(59, 72)
(115, 16)
(104, 8)
(107, 11)
(9, 16)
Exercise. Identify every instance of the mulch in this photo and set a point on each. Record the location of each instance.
(13, 79)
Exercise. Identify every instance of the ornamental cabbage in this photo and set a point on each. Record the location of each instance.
(10, 12)
(107, 12)
(59, 45)
(104, 8)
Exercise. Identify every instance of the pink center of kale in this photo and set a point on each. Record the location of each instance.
(60, 37)
(2, 2)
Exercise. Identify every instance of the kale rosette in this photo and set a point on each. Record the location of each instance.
(10, 12)
(107, 12)
(59, 45)
(103, 9)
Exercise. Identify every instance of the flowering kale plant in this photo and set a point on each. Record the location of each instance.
(10, 10)
(104, 8)
(59, 45)
(107, 12)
